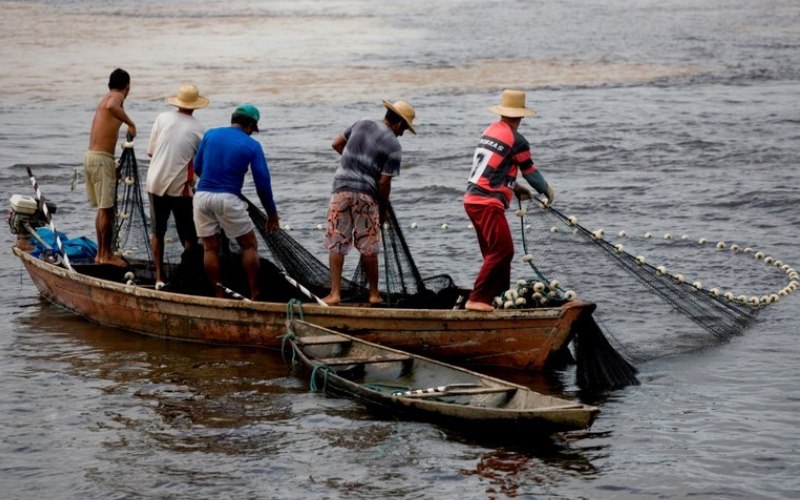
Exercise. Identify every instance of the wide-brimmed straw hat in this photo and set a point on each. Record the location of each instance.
(188, 97)
(405, 111)
(512, 105)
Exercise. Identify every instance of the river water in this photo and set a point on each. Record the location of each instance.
(669, 115)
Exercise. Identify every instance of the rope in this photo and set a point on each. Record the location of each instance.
(325, 369)
(523, 213)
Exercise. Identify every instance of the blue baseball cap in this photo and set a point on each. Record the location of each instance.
(249, 111)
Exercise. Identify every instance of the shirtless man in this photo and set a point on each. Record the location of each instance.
(101, 170)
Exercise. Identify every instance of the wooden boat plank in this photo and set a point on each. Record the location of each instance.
(384, 358)
(323, 340)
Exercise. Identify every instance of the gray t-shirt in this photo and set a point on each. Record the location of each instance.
(371, 150)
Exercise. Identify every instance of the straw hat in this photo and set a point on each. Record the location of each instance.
(512, 105)
(405, 111)
(188, 98)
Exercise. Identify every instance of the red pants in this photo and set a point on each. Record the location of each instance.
(497, 248)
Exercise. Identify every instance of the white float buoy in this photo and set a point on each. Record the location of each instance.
(520, 301)
(679, 278)
(553, 285)
(508, 304)
(661, 270)
(553, 229)
(759, 255)
(728, 296)
(527, 257)
(572, 220)
(129, 275)
(714, 292)
(445, 225)
(734, 248)
(748, 250)
(720, 245)
(619, 247)
(570, 295)
(702, 241)
(648, 235)
(640, 259)
(538, 287)
(685, 237)
(667, 236)
(697, 285)
(622, 234)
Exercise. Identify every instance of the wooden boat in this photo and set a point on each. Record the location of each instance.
(418, 386)
(515, 338)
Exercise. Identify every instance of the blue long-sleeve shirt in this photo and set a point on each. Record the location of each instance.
(222, 160)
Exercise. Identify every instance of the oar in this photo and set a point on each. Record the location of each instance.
(233, 293)
(305, 291)
(49, 217)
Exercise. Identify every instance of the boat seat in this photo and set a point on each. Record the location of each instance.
(458, 392)
(388, 358)
(321, 340)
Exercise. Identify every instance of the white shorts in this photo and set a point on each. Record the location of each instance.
(213, 211)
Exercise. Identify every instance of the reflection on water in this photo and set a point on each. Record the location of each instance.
(144, 400)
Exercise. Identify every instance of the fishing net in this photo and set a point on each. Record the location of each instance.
(401, 283)
(667, 280)
(131, 238)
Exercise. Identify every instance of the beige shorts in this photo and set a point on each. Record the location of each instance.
(215, 211)
(101, 178)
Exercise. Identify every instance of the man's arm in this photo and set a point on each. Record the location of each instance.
(114, 106)
(384, 190)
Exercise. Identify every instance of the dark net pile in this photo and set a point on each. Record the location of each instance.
(671, 314)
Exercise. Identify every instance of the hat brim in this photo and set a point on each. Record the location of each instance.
(409, 125)
(201, 102)
(512, 112)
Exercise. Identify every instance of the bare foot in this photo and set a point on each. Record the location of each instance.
(374, 301)
(472, 305)
(332, 300)
(114, 261)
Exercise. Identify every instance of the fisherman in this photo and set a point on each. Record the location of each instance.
(170, 178)
(221, 162)
(502, 151)
(100, 168)
(370, 158)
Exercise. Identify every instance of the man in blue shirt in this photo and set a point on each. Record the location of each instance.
(221, 163)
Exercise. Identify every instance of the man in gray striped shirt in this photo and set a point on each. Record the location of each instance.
(370, 158)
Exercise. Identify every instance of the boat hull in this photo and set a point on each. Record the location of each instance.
(518, 338)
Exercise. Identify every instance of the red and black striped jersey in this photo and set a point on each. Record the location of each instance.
(502, 152)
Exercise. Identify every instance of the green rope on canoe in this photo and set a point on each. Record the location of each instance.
(325, 370)
(293, 305)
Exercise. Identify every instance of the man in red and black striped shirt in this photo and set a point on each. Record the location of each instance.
(502, 152)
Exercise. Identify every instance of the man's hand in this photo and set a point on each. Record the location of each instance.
(131, 131)
(273, 223)
(523, 193)
(551, 195)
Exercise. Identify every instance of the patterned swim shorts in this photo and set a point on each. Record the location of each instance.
(353, 218)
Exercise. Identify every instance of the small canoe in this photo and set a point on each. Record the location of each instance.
(416, 386)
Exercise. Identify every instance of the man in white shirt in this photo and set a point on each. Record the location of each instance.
(170, 178)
